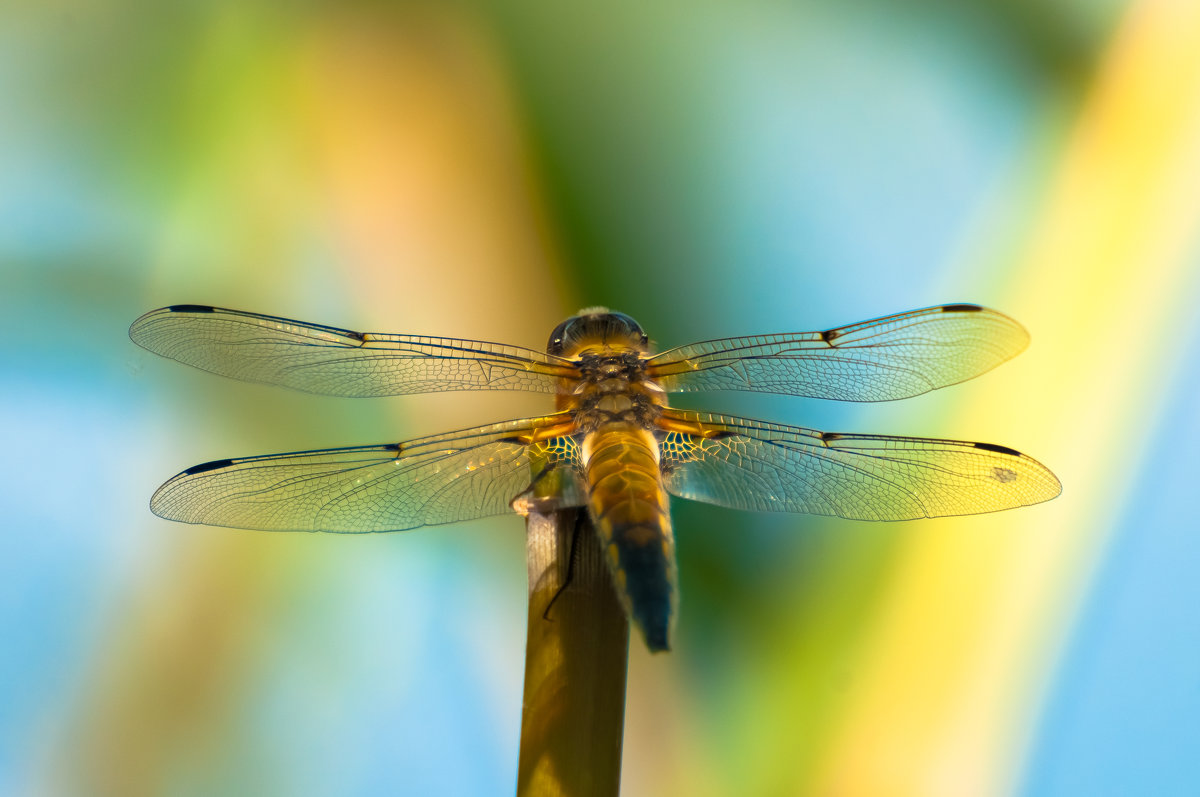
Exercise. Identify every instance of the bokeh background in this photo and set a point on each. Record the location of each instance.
(483, 169)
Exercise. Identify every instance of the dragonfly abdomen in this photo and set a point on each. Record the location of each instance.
(630, 510)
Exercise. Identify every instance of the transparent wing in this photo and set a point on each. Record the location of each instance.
(888, 358)
(439, 479)
(746, 464)
(338, 362)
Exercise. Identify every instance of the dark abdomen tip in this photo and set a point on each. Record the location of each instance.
(657, 639)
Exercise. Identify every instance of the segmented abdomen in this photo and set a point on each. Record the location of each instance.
(630, 512)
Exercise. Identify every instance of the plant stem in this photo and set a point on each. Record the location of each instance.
(576, 656)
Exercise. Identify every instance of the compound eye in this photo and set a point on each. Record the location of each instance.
(559, 336)
(633, 328)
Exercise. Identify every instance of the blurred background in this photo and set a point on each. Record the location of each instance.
(482, 170)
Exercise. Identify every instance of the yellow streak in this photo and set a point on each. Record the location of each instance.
(948, 690)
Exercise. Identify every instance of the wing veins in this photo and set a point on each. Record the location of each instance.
(815, 450)
(730, 462)
(888, 358)
(320, 359)
(427, 481)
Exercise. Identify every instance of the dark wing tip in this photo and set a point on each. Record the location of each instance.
(149, 318)
(207, 466)
(999, 449)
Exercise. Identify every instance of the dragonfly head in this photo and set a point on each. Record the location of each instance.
(596, 328)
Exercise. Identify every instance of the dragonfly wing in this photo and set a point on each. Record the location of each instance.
(338, 362)
(746, 464)
(887, 358)
(431, 480)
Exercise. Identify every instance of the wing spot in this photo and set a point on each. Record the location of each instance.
(829, 437)
(961, 308)
(1004, 475)
(830, 335)
(191, 308)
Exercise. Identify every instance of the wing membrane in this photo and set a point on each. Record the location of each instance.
(888, 358)
(746, 464)
(338, 362)
(431, 480)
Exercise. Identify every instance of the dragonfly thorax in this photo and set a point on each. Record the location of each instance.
(613, 388)
(609, 350)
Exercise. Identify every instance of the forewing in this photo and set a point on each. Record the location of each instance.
(746, 464)
(887, 358)
(440, 479)
(338, 362)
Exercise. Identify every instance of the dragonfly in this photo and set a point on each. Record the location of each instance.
(613, 444)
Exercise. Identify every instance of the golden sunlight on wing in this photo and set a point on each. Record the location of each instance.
(338, 362)
(888, 358)
(439, 479)
(745, 464)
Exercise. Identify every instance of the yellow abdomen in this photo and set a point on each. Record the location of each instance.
(630, 511)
